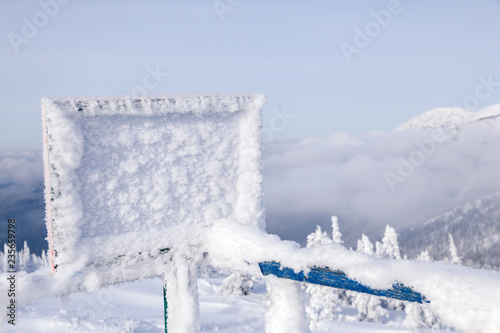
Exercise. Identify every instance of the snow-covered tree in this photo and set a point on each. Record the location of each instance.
(364, 245)
(454, 258)
(323, 302)
(423, 256)
(343, 297)
(25, 260)
(389, 248)
(336, 234)
(318, 238)
(369, 307)
(237, 284)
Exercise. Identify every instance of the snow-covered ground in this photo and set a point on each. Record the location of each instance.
(138, 307)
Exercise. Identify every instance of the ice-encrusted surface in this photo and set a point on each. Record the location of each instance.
(133, 175)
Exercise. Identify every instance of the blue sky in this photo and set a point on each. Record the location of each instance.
(428, 54)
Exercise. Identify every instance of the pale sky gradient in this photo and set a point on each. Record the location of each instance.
(429, 55)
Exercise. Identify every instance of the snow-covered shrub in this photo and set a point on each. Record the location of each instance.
(369, 308)
(237, 284)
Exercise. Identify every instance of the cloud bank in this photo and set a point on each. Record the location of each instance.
(370, 180)
(21, 168)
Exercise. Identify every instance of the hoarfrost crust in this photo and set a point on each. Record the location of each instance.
(128, 177)
(156, 105)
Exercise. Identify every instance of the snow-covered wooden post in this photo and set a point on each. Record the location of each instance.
(286, 313)
(133, 183)
(181, 288)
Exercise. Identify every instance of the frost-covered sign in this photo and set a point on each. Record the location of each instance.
(128, 178)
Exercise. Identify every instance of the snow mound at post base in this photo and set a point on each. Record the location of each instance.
(129, 177)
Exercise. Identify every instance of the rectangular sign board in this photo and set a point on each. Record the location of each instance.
(128, 178)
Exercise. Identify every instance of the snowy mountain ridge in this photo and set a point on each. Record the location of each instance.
(451, 117)
(475, 227)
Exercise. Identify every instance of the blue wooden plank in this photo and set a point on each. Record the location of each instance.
(338, 279)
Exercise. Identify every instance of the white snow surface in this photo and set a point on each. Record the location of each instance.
(127, 176)
(451, 117)
(138, 307)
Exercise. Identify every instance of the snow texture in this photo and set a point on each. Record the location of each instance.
(183, 312)
(126, 177)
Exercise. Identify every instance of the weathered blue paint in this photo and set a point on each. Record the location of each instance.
(338, 279)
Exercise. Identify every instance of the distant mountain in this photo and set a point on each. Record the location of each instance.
(474, 224)
(452, 117)
(475, 228)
